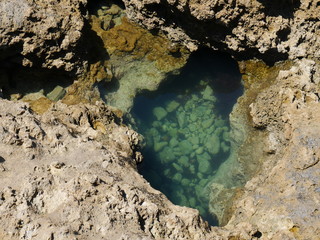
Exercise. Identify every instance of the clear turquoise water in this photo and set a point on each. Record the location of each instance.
(186, 128)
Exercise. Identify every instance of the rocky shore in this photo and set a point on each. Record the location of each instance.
(43, 34)
(69, 169)
(268, 30)
(71, 174)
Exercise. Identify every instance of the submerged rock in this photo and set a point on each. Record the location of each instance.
(183, 161)
(159, 113)
(181, 119)
(194, 140)
(199, 150)
(185, 182)
(187, 126)
(204, 166)
(207, 123)
(173, 142)
(177, 167)
(158, 146)
(213, 144)
(185, 147)
(225, 148)
(166, 155)
(173, 105)
(207, 94)
(193, 117)
(177, 177)
(56, 94)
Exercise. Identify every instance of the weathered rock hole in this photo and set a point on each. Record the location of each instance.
(284, 8)
(94, 5)
(32, 83)
(187, 132)
(257, 234)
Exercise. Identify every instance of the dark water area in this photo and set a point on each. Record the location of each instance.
(186, 128)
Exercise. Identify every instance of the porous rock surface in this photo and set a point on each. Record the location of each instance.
(272, 30)
(71, 174)
(282, 200)
(42, 33)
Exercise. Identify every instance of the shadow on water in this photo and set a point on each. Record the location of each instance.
(219, 70)
(187, 112)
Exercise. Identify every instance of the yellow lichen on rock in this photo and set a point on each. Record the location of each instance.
(168, 57)
(257, 75)
(41, 105)
(98, 125)
(132, 57)
(129, 38)
(140, 60)
(119, 39)
(258, 72)
(253, 71)
(82, 89)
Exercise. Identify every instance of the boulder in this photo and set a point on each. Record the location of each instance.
(207, 94)
(56, 94)
(213, 144)
(183, 161)
(173, 105)
(185, 147)
(159, 113)
(204, 167)
(158, 146)
(207, 123)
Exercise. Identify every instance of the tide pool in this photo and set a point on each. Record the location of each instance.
(186, 128)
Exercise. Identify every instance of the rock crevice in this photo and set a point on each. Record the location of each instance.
(246, 29)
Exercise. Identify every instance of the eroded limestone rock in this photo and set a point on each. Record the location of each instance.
(42, 33)
(272, 30)
(63, 177)
(281, 199)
